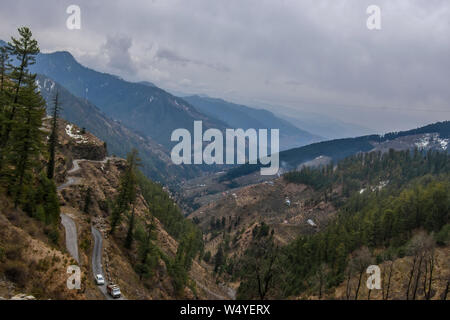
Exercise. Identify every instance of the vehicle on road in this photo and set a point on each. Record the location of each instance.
(113, 290)
(99, 280)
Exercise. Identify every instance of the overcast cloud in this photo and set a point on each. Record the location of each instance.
(303, 54)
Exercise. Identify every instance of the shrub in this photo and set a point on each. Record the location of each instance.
(443, 236)
(16, 272)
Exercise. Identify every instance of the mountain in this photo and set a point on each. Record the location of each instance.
(142, 107)
(386, 207)
(119, 138)
(434, 136)
(240, 116)
(147, 83)
(319, 124)
(34, 264)
(329, 127)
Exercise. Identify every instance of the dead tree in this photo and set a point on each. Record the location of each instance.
(361, 259)
(348, 288)
(444, 295)
(385, 292)
(420, 245)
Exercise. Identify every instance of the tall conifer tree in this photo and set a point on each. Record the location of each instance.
(24, 50)
(53, 139)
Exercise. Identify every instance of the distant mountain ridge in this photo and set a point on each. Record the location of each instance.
(241, 116)
(435, 136)
(148, 109)
(120, 139)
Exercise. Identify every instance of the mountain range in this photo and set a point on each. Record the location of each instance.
(431, 137)
(119, 138)
(150, 110)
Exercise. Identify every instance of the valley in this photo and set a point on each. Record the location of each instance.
(88, 179)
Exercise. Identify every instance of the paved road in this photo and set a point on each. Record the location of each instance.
(76, 166)
(70, 181)
(71, 236)
(71, 231)
(67, 222)
(97, 267)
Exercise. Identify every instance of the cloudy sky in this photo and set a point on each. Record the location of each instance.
(307, 55)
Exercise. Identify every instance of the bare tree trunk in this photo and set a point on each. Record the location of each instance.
(425, 277)
(359, 285)
(348, 289)
(444, 296)
(411, 276)
(389, 280)
(419, 273)
(430, 280)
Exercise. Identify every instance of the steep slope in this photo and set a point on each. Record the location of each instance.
(284, 207)
(30, 263)
(330, 223)
(88, 201)
(147, 109)
(119, 138)
(240, 116)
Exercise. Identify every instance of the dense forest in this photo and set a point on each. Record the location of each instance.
(404, 215)
(23, 151)
(183, 230)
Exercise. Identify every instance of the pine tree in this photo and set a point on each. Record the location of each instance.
(129, 239)
(127, 189)
(4, 69)
(27, 139)
(53, 140)
(87, 200)
(24, 50)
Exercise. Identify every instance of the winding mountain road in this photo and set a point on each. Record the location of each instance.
(97, 252)
(71, 231)
(97, 267)
(71, 236)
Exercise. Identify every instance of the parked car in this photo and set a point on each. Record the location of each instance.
(99, 280)
(113, 290)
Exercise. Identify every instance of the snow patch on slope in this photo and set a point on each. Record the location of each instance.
(76, 136)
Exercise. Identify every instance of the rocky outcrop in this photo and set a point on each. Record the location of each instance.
(77, 142)
(84, 145)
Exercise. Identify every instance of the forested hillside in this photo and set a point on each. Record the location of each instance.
(148, 245)
(22, 148)
(384, 202)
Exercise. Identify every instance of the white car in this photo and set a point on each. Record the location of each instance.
(113, 290)
(99, 280)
